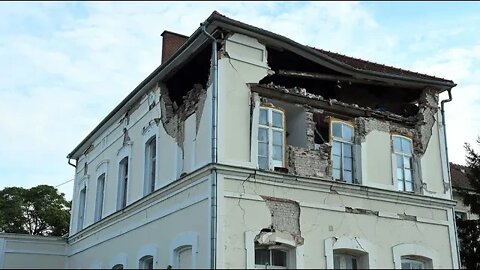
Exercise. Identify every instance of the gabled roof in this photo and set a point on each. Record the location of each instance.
(357, 68)
(371, 66)
(459, 177)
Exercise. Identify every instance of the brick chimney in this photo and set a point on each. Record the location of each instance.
(171, 43)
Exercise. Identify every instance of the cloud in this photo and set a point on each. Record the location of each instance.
(67, 65)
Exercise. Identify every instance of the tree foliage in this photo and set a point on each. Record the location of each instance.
(469, 230)
(40, 210)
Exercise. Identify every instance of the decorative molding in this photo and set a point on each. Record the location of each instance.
(413, 249)
(350, 243)
(183, 240)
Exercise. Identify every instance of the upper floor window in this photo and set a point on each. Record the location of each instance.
(402, 150)
(81, 208)
(271, 138)
(342, 151)
(412, 263)
(100, 197)
(271, 258)
(122, 183)
(146, 262)
(150, 165)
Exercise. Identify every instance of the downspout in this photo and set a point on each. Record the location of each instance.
(442, 110)
(213, 232)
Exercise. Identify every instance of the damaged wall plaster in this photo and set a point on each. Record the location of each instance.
(285, 217)
(309, 162)
(173, 117)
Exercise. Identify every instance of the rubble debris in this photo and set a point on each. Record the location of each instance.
(285, 220)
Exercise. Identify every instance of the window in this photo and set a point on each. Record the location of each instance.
(122, 183)
(402, 149)
(412, 263)
(100, 197)
(270, 258)
(342, 151)
(460, 215)
(146, 262)
(150, 165)
(81, 208)
(271, 137)
(344, 261)
(118, 266)
(183, 258)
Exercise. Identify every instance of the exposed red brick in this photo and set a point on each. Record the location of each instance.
(171, 42)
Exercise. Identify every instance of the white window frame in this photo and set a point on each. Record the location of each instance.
(403, 155)
(288, 253)
(342, 141)
(425, 254)
(356, 246)
(414, 260)
(343, 256)
(148, 250)
(102, 169)
(124, 152)
(82, 207)
(150, 133)
(272, 163)
(181, 241)
(296, 253)
(150, 164)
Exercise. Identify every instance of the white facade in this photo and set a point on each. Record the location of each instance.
(232, 214)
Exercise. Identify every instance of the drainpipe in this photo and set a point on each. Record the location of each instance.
(213, 232)
(442, 110)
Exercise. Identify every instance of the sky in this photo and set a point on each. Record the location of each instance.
(65, 65)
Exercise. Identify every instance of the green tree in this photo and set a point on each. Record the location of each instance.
(40, 210)
(469, 230)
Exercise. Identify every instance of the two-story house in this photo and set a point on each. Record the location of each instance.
(246, 149)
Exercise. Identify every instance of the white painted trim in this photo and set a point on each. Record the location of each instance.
(148, 249)
(135, 225)
(149, 132)
(254, 129)
(250, 249)
(120, 258)
(452, 233)
(124, 152)
(183, 240)
(102, 168)
(416, 250)
(350, 243)
(32, 251)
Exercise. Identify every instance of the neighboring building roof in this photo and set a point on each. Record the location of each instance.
(459, 177)
(371, 66)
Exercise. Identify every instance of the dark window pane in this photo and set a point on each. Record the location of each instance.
(262, 256)
(279, 258)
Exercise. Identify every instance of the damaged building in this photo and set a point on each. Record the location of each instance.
(246, 149)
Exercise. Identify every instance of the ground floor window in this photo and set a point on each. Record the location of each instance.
(146, 262)
(412, 263)
(344, 261)
(272, 257)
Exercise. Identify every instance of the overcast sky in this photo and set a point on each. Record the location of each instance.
(65, 66)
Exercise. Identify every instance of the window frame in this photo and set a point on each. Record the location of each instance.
(82, 207)
(403, 155)
(427, 255)
(181, 241)
(270, 248)
(149, 179)
(142, 262)
(343, 142)
(102, 169)
(271, 162)
(343, 256)
(413, 259)
(123, 180)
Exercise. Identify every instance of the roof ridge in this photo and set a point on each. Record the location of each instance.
(376, 63)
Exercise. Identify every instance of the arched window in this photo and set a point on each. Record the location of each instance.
(118, 266)
(349, 259)
(346, 252)
(415, 262)
(342, 151)
(273, 257)
(146, 262)
(183, 258)
(271, 138)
